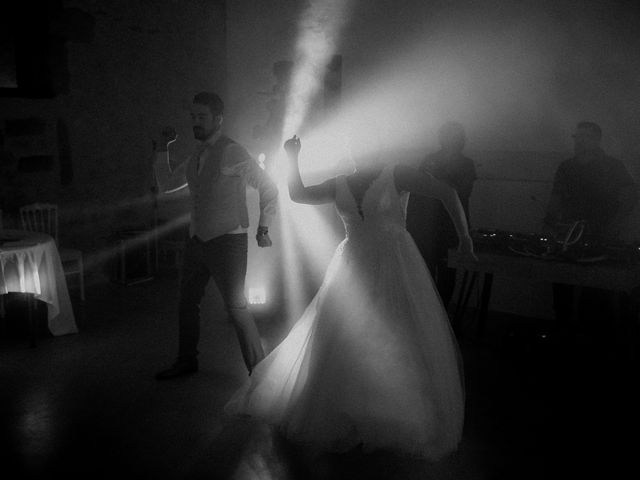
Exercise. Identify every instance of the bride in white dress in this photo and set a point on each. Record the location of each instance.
(372, 362)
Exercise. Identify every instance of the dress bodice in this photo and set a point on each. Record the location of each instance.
(383, 209)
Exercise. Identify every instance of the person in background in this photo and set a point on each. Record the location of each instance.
(596, 189)
(592, 187)
(427, 221)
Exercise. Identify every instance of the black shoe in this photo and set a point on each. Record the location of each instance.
(178, 369)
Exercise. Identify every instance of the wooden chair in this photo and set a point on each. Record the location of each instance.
(43, 217)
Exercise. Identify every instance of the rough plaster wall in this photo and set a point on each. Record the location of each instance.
(259, 34)
(146, 61)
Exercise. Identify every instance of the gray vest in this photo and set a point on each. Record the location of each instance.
(218, 202)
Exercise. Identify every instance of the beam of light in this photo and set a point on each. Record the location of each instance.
(396, 108)
(318, 33)
(310, 242)
(307, 234)
(315, 235)
(291, 264)
(144, 238)
(389, 114)
(438, 78)
(104, 209)
(389, 117)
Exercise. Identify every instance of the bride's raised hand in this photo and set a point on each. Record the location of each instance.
(292, 146)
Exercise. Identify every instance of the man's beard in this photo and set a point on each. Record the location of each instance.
(201, 134)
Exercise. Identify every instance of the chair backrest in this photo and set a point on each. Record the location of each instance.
(40, 217)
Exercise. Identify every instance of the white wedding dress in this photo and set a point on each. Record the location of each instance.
(373, 360)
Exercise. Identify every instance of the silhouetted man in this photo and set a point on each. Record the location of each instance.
(591, 187)
(427, 220)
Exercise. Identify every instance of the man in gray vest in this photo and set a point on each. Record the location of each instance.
(217, 174)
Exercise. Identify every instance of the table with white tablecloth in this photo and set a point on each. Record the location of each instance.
(30, 263)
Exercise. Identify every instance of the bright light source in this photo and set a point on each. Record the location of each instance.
(257, 295)
(302, 231)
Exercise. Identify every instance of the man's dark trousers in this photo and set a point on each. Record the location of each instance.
(224, 259)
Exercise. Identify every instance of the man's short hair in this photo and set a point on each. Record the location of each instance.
(592, 127)
(211, 100)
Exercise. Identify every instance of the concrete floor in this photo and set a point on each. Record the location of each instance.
(538, 406)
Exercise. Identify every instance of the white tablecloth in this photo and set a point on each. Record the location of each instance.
(30, 263)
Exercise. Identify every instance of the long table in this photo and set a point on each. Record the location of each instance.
(620, 277)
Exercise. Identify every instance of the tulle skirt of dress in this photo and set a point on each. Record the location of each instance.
(372, 360)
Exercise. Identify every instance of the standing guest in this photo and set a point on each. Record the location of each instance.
(217, 174)
(594, 188)
(427, 221)
(591, 187)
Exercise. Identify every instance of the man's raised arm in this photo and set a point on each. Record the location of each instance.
(168, 180)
